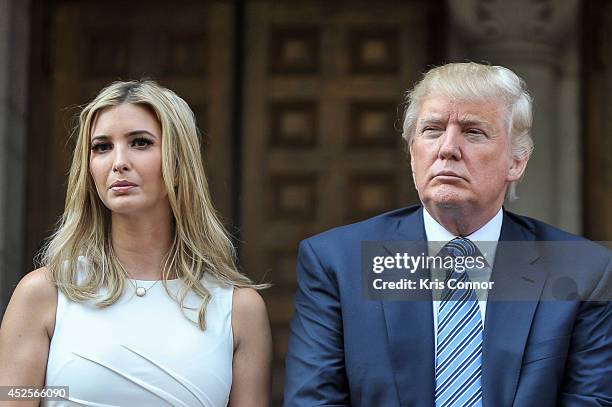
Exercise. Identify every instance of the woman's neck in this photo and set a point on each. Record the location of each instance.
(141, 243)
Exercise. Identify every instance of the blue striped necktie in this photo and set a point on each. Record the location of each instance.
(459, 333)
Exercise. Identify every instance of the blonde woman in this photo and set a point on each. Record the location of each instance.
(139, 302)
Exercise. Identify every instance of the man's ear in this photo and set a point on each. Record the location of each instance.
(517, 168)
(411, 156)
(414, 181)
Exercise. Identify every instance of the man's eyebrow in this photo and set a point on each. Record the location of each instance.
(432, 119)
(126, 135)
(473, 121)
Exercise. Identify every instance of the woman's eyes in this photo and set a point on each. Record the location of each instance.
(100, 147)
(140, 143)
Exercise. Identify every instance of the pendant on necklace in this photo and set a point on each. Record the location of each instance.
(140, 291)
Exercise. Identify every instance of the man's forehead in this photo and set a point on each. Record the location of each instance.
(461, 116)
(437, 108)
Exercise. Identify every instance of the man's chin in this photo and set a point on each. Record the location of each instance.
(447, 198)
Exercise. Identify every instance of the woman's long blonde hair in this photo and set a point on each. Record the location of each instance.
(200, 244)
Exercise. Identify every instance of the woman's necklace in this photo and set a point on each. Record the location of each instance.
(141, 291)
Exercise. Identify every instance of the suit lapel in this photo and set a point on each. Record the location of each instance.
(508, 319)
(410, 328)
(410, 323)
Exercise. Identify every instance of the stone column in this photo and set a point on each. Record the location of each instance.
(538, 40)
(14, 41)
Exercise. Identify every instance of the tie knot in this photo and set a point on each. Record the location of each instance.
(459, 247)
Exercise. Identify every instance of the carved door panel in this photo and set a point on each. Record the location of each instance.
(92, 44)
(324, 85)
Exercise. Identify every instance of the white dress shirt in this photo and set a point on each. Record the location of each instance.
(485, 238)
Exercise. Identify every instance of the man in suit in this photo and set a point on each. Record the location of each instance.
(468, 127)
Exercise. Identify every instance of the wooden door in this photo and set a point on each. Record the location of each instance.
(324, 85)
(84, 46)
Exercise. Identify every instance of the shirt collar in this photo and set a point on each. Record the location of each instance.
(490, 233)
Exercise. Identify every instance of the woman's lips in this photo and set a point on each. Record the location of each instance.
(122, 186)
(122, 189)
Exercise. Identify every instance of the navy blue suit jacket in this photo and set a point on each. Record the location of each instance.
(347, 350)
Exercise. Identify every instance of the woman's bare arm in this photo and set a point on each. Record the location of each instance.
(25, 334)
(252, 350)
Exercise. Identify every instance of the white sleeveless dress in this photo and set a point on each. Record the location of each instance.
(142, 351)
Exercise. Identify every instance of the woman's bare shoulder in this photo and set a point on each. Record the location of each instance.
(248, 301)
(37, 284)
(35, 297)
(249, 313)
(27, 328)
